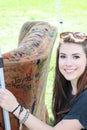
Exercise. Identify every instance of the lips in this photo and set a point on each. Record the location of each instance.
(69, 70)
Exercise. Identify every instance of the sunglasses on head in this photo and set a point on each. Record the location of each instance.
(76, 36)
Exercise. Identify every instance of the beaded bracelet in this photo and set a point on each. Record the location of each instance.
(24, 119)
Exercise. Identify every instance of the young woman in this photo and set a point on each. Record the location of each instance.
(69, 102)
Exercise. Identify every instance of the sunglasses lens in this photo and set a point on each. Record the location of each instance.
(76, 35)
(79, 35)
(65, 34)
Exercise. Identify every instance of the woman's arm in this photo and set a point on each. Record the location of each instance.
(9, 102)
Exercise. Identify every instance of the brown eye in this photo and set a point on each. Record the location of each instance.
(76, 57)
(62, 56)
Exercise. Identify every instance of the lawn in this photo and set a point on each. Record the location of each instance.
(13, 13)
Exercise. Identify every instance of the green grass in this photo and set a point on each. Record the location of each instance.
(74, 15)
(13, 13)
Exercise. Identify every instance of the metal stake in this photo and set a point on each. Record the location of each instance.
(2, 85)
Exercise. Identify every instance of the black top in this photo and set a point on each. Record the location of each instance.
(79, 109)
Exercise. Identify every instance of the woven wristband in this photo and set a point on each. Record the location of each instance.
(24, 119)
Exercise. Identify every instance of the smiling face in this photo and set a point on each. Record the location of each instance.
(72, 61)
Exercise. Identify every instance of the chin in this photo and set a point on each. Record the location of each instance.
(70, 78)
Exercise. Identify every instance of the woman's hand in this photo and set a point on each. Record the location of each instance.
(7, 100)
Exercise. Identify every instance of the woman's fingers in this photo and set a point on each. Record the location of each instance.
(7, 100)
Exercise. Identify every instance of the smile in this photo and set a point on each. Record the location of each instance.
(69, 70)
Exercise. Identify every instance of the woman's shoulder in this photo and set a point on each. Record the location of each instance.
(83, 94)
(84, 91)
(82, 98)
(79, 109)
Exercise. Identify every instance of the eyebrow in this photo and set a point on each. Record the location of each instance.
(76, 54)
(72, 54)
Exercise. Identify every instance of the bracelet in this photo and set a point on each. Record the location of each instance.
(21, 108)
(24, 119)
(16, 108)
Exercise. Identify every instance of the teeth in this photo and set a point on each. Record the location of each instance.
(69, 71)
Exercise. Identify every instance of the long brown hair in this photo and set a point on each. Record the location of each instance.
(60, 83)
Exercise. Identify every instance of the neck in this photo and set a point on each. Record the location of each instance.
(74, 87)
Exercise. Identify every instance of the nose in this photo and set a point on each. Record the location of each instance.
(68, 62)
